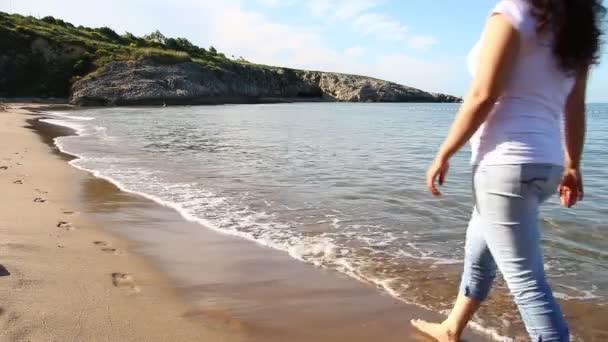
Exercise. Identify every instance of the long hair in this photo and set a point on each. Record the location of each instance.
(576, 27)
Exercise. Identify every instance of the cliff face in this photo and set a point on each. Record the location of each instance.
(147, 82)
(36, 66)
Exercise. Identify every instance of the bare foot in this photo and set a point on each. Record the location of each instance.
(439, 332)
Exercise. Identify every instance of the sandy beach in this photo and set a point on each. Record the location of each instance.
(61, 277)
(80, 261)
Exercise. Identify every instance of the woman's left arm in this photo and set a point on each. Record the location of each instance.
(498, 51)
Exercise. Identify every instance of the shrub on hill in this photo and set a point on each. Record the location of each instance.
(64, 52)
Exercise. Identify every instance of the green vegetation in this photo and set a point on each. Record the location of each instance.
(42, 57)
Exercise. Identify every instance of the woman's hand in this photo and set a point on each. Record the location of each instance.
(438, 170)
(571, 188)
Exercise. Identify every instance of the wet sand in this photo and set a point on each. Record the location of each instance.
(179, 280)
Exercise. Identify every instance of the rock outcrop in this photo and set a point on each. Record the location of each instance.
(146, 82)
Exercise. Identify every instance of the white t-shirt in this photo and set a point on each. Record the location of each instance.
(524, 125)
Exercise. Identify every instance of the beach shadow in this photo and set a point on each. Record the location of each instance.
(3, 271)
(48, 132)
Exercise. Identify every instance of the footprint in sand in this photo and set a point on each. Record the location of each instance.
(108, 249)
(124, 280)
(19, 181)
(114, 251)
(39, 200)
(218, 315)
(3, 167)
(65, 225)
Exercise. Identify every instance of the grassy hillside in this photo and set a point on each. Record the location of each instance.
(42, 57)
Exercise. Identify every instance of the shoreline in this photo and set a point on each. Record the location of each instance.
(360, 307)
(66, 278)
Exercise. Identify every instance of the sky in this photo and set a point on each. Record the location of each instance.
(419, 43)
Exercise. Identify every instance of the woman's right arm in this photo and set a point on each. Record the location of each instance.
(571, 187)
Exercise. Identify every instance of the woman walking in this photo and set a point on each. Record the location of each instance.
(530, 71)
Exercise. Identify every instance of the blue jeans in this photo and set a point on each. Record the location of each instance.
(504, 232)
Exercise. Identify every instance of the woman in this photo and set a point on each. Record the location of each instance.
(530, 67)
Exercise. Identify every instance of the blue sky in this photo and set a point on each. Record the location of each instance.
(421, 43)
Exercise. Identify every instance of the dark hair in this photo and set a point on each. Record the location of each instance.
(576, 29)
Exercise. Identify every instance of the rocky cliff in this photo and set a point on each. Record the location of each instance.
(49, 57)
(146, 82)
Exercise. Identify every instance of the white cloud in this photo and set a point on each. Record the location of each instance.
(320, 8)
(250, 34)
(276, 3)
(341, 9)
(355, 51)
(361, 16)
(380, 26)
(270, 3)
(422, 42)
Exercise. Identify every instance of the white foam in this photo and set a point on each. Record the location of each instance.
(76, 126)
(69, 116)
(583, 294)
